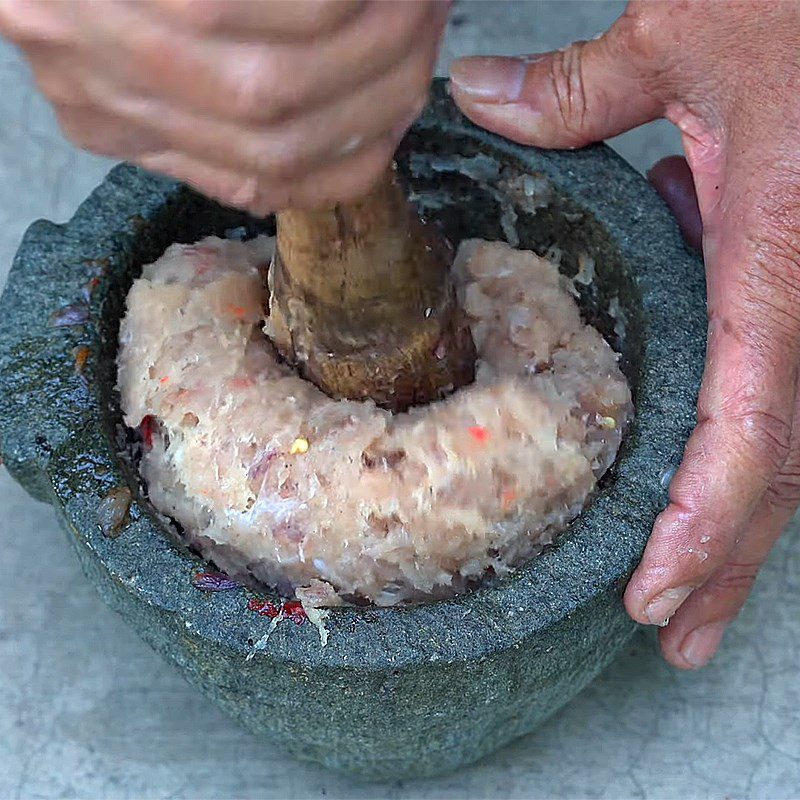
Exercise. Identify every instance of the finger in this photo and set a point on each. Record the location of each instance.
(694, 633)
(746, 403)
(567, 98)
(253, 82)
(277, 20)
(284, 150)
(349, 178)
(731, 458)
(673, 180)
(93, 129)
(727, 467)
(37, 23)
(58, 73)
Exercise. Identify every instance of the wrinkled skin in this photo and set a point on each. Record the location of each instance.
(728, 76)
(305, 104)
(262, 105)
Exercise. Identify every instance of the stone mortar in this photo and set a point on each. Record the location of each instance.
(397, 692)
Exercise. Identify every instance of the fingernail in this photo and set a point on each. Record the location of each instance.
(489, 79)
(664, 605)
(700, 645)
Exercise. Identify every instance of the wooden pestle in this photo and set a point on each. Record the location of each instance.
(362, 302)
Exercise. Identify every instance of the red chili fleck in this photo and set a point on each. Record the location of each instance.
(88, 288)
(293, 609)
(289, 609)
(165, 379)
(264, 608)
(479, 433)
(237, 311)
(147, 429)
(270, 610)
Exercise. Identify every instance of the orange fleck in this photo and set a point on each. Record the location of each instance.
(81, 355)
(237, 311)
(508, 497)
(479, 433)
(165, 379)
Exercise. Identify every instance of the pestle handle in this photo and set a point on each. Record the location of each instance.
(362, 301)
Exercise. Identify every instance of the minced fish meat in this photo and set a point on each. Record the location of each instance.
(341, 501)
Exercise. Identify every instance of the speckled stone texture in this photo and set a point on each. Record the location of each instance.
(396, 692)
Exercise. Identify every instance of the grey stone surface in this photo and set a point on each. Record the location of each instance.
(89, 711)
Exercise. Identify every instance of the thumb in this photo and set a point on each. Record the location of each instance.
(567, 98)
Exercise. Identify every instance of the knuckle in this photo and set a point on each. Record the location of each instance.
(569, 89)
(72, 125)
(11, 21)
(775, 268)
(154, 57)
(23, 22)
(703, 544)
(707, 553)
(734, 577)
(360, 185)
(320, 16)
(255, 89)
(356, 180)
(371, 167)
(410, 113)
(766, 437)
(419, 105)
(279, 160)
(197, 16)
(640, 31)
(637, 37)
(419, 71)
(56, 86)
(401, 29)
(771, 296)
(771, 279)
(780, 206)
(243, 192)
(784, 491)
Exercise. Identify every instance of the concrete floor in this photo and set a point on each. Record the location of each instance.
(88, 711)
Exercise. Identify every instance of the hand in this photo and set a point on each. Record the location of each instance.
(263, 105)
(727, 75)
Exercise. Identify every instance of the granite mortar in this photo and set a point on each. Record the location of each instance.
(397, 692)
